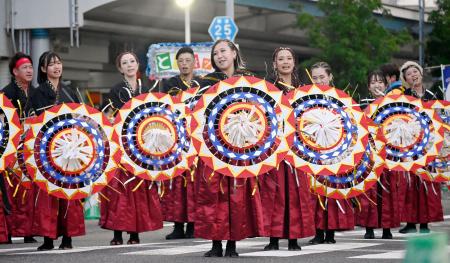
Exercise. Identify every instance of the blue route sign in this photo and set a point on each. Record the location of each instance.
(223, 27)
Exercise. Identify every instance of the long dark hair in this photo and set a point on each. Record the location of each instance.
(44, 60)
(239, 63)
(294, 75)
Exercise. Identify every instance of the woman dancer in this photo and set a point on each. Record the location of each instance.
(338, 215)
(129, 207)
(286, 199)
(53, 216)
(235, 213)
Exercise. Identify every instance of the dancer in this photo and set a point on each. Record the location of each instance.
(178, 203)
(18, 92)
(422, 203)
(339, 214)
(129, 207)
(380, 204)
(234, 213)
(53, 216)
(285, 194)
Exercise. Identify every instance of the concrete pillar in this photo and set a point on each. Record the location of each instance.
(5, 76)
(40, 42)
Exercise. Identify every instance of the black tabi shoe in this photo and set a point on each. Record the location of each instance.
(216, 250)
(386, 233)
(293, 245)
(177, 233)
(369, 233)
(424, 229)
(230, 250)
(66, 243)
(134, 239)
(117, 240)
(189, 230)
(273, 244)
(329, 237)
(318, 238)
(409, 228)
(48, 244)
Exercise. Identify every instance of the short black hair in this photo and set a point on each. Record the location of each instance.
(378, 74)
(390, 69)
(184, 50)
(15, 58)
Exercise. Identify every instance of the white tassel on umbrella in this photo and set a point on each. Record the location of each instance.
(403, 133)
(323, 126)
(243, 128)
(71, 152)
(157, 140)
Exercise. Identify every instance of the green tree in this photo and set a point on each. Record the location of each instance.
(351, 39)
(438, 44)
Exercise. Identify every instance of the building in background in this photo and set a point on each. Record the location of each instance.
(90, 33)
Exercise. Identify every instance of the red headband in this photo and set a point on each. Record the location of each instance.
(22, 61)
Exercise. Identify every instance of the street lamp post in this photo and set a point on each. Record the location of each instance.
(229, 8)
(421, 33)
(186, 4)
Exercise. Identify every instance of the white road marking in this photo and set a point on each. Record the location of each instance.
(6, 250)
(323, 248)
(76, 249)
(194, 249)
(172, 250)
(395, 239)
(396, 254)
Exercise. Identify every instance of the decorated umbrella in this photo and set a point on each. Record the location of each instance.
(155, 137)
(407, 133)
(10, 130)
(242, 127)
(20, 169)
(331, 132)
(439, 169)
(365, 175)
(74, 151)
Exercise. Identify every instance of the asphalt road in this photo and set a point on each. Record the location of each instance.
(94, 247)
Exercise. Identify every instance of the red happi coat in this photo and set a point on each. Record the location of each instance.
(178, 202)
(20, 221)
(3, 226)
(420, 201)
(332, 217)
(385, 213)
(226, 209)
(287, 209)
(128, 208)
(55, 217)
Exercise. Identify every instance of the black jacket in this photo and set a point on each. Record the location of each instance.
(214, 77)
(16, 95)
(175, 84)
(45, 96)
(120, 94)
(282, 87)
(428, 95)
